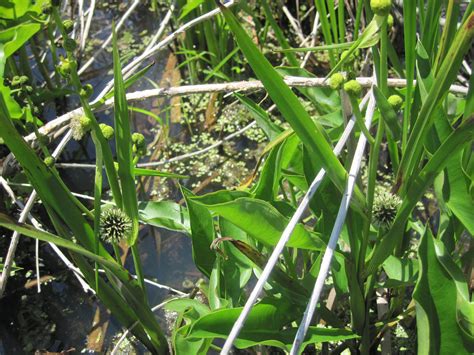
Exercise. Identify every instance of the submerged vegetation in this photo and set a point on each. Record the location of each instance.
(316, 154)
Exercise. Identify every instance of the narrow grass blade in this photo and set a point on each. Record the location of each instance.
(123, 141)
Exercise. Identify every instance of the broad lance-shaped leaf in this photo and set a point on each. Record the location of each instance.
(264, 326)
(290, 285)
(262, 222)
(165, 214)
(202, 234)
(294, 113)
(123, 142)
(453, 144)
(445, 318)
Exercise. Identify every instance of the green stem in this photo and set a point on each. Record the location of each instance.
(360, 120)
(117, 253)
(97, 201)
(138, 268)
(383, 73)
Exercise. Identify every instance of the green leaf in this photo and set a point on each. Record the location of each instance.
(165, 214)
(310, 134)
(190, 6)
(400, 272)
(436, 295)
(263, 222)
(202, 234)
(151, 172)
(13, 38)
(14, 9)
(264, 326)
(123, 143)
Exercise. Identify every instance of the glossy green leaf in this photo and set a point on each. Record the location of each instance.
(202, 234)
(165, 214)
(437, 301)
(13, 38)
(263, 326)
(14, 9)
(263, 222)
(400, 272)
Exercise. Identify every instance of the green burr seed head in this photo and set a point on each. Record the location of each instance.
(115, 225)
(138, 139)
(68, 25)
(107, 131)
(353, 88)
(381, 7)
(395, 101)
(69, 44)
(336, 81)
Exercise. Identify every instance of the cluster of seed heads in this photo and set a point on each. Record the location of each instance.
(385, 208)
(115, 225)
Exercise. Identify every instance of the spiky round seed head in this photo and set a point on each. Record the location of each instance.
(107, 131)
(336, 81)
(352, 87)
(385, 208)
(395, 101)
(68, 25)
(49, 161)
(115, 225)
(86, 91)
(390, 21)
(69, 44)
(381, 7)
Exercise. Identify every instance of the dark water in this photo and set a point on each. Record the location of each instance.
(61, 317)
